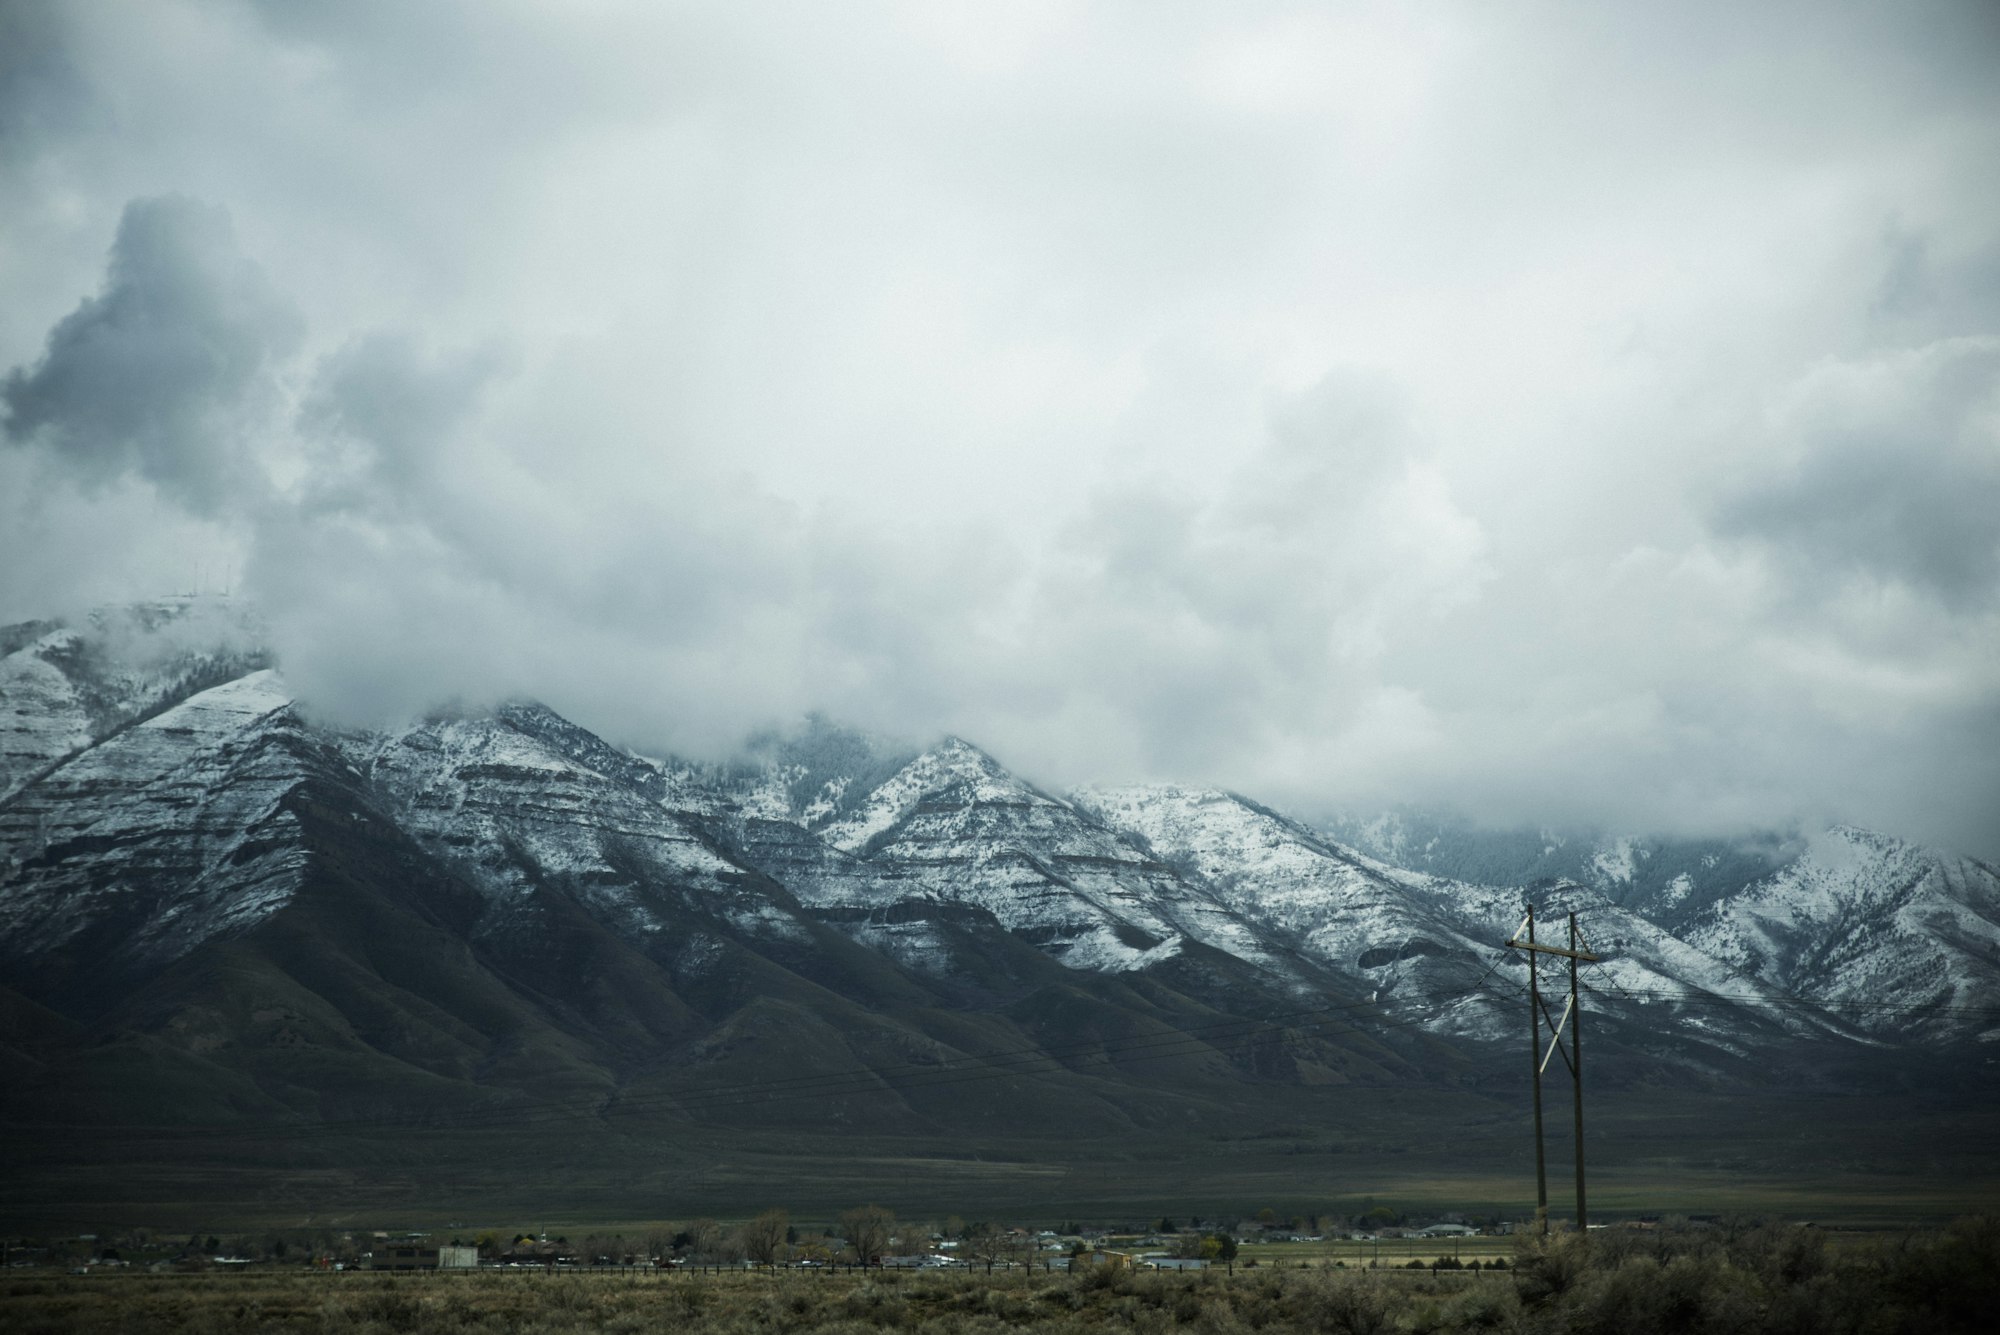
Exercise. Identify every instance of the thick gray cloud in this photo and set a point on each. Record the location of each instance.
(394, 402)
(154, 373)
(1568, 413)
(42, 94)
(1896, 477)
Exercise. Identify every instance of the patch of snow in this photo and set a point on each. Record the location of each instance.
(1615, 863)
(826, 802)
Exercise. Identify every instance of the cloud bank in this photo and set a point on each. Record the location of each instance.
(1563, 415)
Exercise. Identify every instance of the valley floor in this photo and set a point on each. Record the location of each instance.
(1877, 1159)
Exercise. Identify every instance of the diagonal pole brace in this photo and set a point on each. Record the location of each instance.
(1556, 1040)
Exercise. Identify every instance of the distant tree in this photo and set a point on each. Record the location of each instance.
(1165, 1226)
(868, 1229)
(764, 1236)
(1022, 1248)
(986, 1243)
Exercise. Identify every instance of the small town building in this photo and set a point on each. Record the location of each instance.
(403, 1256)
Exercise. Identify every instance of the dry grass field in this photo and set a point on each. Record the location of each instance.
(1763, 1279)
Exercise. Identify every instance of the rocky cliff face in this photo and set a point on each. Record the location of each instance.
(169, 834)
(1902, 940)
(64, 688)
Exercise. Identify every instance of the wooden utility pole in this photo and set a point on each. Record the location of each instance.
(1535, 1073)
(1577, 953)
(1576, 1062)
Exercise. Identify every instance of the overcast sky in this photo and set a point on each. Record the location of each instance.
(1568, 413)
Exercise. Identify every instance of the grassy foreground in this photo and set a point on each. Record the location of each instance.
(1769, 1279)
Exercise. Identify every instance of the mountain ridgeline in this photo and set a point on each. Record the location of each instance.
(216, 913)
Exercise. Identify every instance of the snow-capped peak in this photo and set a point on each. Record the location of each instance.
(953, 772)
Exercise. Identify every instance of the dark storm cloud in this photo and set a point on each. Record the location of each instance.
(154, 373)
(1897, 480)
(43, 95)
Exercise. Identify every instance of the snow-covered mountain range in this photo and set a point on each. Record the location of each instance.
(213, 907)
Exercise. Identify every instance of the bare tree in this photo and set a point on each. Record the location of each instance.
(867, 1230)
(704, 1238)
(764, 1236)
(986, 1243)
